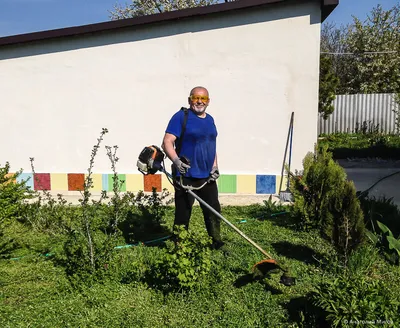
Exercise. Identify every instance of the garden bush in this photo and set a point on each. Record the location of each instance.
(144, 215)
(380, 209)
(13, 194)
(186, 260)
(326, 201)
(371, 144)
(356, 300)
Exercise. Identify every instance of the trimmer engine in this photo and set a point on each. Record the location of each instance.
(150, 160)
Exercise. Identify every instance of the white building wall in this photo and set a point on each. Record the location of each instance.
(259, 65)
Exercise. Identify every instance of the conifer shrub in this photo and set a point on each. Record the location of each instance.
(326, 201)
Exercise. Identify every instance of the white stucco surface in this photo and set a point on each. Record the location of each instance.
(259, 65)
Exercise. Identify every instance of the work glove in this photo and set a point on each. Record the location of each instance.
(214, 174)
(181, 167)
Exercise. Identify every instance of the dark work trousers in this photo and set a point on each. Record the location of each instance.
(184, 203)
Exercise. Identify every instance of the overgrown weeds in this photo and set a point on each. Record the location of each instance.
(101, 269)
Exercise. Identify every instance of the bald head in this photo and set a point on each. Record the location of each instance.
(197, 89)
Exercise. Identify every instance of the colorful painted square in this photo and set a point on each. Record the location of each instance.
(75, 181)
(97, 182)
(134, 182)
(152, 180)
(227, 184)
(59, 181)
(28, 177)
(121, 178)
(265, 184)
(246, 184)
(104, 180)
(9, 178)
(41, 181)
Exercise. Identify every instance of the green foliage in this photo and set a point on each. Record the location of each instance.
(320, 181)
(344, 223)
(363, 261)
(328, 83)
(144, 7)
(368, 142)
(396, 111)
(76, 260)
(374, 66)
(380, 209)
(33, 288)
(380, 32)
(325, 200)
(13, 194)
(144, 215)
(347, 300)
(387, 242)
(186, 260)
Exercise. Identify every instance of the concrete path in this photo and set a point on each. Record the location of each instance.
(365, 174)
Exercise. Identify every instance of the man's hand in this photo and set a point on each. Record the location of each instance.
(214, 174)
(182, 167)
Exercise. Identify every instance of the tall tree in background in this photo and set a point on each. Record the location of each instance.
(378, 72)
(333, 45)
(366, 55)
(148, 7)
(328, 83)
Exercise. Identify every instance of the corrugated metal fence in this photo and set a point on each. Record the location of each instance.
(350, 110)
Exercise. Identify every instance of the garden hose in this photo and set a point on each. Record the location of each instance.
(116, 247)
(381, 179)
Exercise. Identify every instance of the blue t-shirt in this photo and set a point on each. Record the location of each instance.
(199, 142)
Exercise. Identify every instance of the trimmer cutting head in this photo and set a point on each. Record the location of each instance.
(264, 267)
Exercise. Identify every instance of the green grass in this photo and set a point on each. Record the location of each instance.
(35, 292)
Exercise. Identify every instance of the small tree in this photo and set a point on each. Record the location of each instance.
(328, 84)
(325, 200)
(344, 224)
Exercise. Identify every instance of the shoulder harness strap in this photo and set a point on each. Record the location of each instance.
(179, 145)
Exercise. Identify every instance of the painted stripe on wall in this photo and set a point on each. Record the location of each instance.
(76, 181)
(97, 180)
(246, 184)
(266, 184)
(28, 177)
(227, 183)
(134, 182)
(41, 181)
(121, 179)
(58, 181)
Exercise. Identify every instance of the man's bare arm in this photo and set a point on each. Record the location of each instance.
(168, 146)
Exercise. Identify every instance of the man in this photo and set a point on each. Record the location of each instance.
(198, 146)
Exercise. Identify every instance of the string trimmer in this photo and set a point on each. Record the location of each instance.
(151, 160)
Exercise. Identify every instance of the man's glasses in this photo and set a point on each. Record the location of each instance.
(201, 98)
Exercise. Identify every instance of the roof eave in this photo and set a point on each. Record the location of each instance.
(327, 6)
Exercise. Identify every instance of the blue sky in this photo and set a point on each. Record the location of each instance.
(25, 16)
